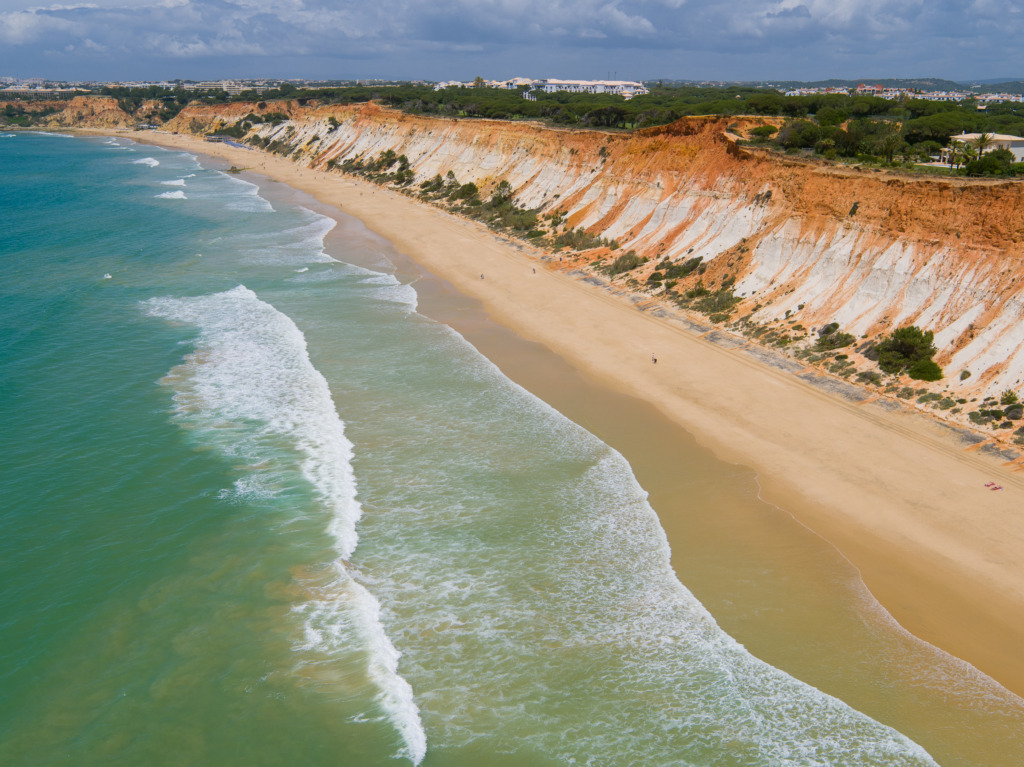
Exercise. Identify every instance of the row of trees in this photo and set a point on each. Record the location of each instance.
(925, 120)
(831, 125)
(845, 120)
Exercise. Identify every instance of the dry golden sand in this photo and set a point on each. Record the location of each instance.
(906, 505)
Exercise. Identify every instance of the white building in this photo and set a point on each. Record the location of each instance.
(231, 87)
(996, 141)
(625, 88)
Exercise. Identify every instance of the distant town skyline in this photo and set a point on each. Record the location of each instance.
(745, 40)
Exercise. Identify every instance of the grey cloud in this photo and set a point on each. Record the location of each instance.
(672, 38)
(798, 12)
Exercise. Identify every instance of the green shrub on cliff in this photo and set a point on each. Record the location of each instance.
(925, 370)
(763, 132)
(717, 304)
(909, 350)
(502, 193)
(830, 339)
(675, 271)
(433, 185)
(577, 239)
(465, 192)
(238, 130)
(274, 118)
(627, 262)
(721, 301)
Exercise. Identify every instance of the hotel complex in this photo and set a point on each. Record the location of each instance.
(625, 88)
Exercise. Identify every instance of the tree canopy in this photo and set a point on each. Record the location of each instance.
(909, 350)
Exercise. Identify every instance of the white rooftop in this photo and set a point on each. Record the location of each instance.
(991, 136)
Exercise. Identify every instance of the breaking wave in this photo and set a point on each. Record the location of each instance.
(250, 389)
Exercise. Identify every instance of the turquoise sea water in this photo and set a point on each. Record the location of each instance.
(258, 510)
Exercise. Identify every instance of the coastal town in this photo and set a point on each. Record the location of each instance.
(898, 94)
(35, 87)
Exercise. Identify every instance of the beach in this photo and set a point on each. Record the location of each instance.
(312, 494)
(905, 504)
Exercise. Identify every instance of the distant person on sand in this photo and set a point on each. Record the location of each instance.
(481, 276)
(654, 360)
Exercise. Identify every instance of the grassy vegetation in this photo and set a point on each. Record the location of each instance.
(829, 338)
(579, 239)
(718, 304)
(387, 168)
(668, 270)
(237, 131)
(498, 211)
(19, 116)
(627, 262)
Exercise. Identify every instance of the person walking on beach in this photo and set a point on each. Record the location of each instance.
(654, 360)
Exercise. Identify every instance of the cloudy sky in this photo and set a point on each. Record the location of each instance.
(445, 39)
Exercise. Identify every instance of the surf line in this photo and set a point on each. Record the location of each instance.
(251, 365)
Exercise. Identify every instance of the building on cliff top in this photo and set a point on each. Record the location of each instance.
(1014, 144)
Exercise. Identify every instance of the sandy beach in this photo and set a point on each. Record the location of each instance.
(902, 501)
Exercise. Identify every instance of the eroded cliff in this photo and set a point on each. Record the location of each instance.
(801, 244)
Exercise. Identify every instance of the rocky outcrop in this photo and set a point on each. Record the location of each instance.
(93, 112)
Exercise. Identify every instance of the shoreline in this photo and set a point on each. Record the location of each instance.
(905, 505)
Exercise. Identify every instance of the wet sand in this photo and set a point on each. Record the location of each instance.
(902, 502)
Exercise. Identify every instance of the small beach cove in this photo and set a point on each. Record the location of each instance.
(909, 510)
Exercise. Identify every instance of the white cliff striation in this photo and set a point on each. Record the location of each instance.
(801, 244)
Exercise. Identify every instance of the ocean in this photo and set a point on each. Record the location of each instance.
(259, 509)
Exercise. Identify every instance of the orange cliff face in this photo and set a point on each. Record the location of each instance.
(812, 243)
(93, 112)
(85, 112)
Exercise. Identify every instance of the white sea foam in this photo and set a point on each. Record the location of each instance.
(55, 135)
(174, 182)
(251, 487)
(150, 161)
(384, 286)
(250, 389)
(541, 573)
(171, 196)
(399, 293)
(323, 275)
(349, 615)
(302, 244)
(247, 197)
(380, 285)
(8, 135)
